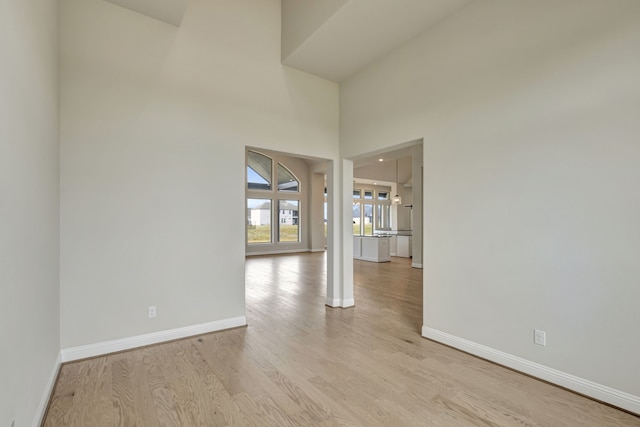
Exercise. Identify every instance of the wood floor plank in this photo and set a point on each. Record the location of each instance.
(222, 402)
(61, 403)
(300, 363)
(132, 397)
(161, 394)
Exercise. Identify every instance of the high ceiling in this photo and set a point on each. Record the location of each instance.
(332, 38)
(169, 11)
(359, 31)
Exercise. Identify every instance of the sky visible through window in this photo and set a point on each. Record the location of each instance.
(253, 176)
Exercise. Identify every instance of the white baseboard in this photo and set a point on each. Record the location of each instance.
(348, 303)
(318, 250)
(46, 394)
(416, 265)
(338, 303)
(335, 302)
(370, 259)
(98, 349)
(277, 252)
(597, 391)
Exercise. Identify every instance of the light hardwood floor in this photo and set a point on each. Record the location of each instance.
(299, 363)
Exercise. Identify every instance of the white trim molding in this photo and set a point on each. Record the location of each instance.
(333, 302)
(98, 349)
(339, 303)
(278, 252)
(594, 390)
(416, 265)
(46, 394)
(348, 303)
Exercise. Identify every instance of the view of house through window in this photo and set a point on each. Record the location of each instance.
(264, 204)
(259, 220)
(289, 229)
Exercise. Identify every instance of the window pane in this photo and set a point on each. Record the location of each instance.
(386, 215)
(379, 223)
(356, 194)
(383, 195)
(368, 194)
(368, 219)
(286, 180)
(325, 219)
(258, 221)
(259, 169)
(289, 228)
(356, 219)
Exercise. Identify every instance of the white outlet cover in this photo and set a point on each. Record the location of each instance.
(539, 337)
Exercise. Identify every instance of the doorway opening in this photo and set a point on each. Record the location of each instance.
(287, 211)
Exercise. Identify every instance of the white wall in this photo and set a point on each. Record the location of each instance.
(529, 113)
(29, 304)
(317, 239)
(301, 19)
(154, 124)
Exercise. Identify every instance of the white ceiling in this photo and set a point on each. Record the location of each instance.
(363, 30)
(169, 11)
(395, 165)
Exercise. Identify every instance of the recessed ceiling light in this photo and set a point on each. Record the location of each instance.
(381, 160)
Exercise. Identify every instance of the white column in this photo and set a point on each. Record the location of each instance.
(340, 234)
(416, 212)
(347, 234)
(334, 252)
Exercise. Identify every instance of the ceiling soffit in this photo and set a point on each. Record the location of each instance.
(360, 31)
(169, 11)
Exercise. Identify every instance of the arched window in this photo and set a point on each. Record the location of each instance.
(273, 211)
(286, 180)
(259, 171)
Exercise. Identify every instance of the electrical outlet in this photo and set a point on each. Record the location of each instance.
(152, 311)
(539, 337)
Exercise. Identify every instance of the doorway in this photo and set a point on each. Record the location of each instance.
(287, 206)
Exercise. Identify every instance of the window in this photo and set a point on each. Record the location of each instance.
(356, 219)
(259, 169)
(325, 211)
(286, 180)
(325, 217)
(368, 219)
(269, 182)
(289, 230)
(371, 210)
(259, 221)
(383, 216)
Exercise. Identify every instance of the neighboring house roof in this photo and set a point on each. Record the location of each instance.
(262, 207)
(267, 206)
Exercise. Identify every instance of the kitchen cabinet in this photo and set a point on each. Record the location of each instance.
(374, 249)
(404, 246)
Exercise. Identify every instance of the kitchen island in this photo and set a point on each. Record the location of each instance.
(372, 248)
